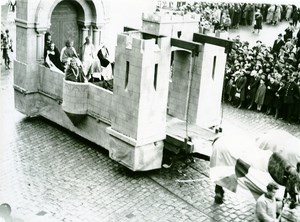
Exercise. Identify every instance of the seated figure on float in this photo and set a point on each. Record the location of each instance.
(68, 52)
(74, 72)
(106, 62)
(100, 71)
(52, 59)
(47, 44)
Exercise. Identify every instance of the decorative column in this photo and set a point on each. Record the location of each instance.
(96, 36)
(40, 41)
(85, 33)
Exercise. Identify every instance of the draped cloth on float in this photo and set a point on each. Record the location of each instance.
(281, 142)
(239, 165)
(105, 63)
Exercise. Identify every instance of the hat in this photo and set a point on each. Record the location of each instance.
(272, 186)
(280, 35)
(258, 41)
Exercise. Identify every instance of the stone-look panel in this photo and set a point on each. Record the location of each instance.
(195, 88)
(51, 82)
(32, 21)
(39, 11)
(20, 74)
(140, 101)
(28, 104)
(210, 95)
(26, 90)
(141, 158)
(26, 77)
(31, 56)
(75, 97)
(126, 96)
(154, 93)
(22, 11)
(21, 44)
(160, 23)
(26, 43)
(88, 128)
(179, 85)
(100, 102)
(140, 106)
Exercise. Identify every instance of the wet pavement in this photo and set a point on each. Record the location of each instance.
(50, 174)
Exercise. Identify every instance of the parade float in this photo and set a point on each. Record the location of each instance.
(167, 81)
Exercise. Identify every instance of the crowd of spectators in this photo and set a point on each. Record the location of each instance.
(226, 16)
(265, 78)
(262, 78)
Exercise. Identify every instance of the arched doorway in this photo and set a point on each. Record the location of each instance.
(64, 25)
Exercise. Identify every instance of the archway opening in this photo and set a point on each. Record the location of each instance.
(64, 24)
(179, 83)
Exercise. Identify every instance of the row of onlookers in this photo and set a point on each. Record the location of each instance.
(266, 79)
(232, 15)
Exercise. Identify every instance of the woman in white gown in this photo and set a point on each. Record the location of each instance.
(87, 55)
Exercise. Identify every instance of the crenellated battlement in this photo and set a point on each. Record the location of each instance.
(163, 17)
(136, 40)
(175, 26)
(162, 73)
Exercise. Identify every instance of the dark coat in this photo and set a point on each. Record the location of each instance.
(279, 95)
(104, 61)
(277, 46)
(241, 86)
(295, 16)
(298, 38)
(291, 93)
(258, 21)
(260, 94)
(254, 83)
(75, 75)
(236, 16)
(55, 59)
(288, 34)
(230, 87)
(270, 94)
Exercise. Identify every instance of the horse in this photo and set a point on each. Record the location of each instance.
(282, 142)
(246, 165)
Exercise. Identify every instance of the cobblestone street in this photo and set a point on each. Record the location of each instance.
(50, 174)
